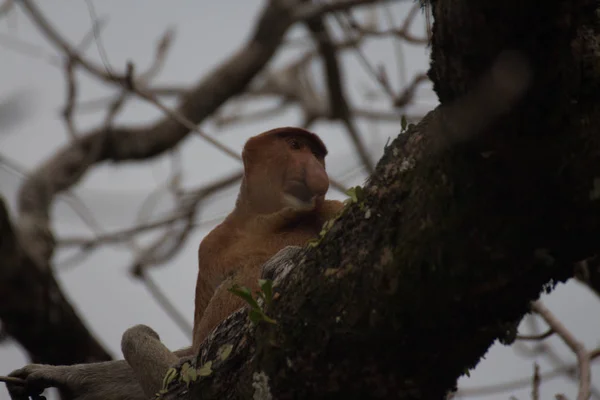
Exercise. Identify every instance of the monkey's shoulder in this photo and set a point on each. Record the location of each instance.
(219, 239)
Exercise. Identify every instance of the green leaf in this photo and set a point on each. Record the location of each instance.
(188, 374)
(185, 367)
(206, 369)
(266, 285)
(352, 193)
(169, 376)
(224, 351)
(360, 193)
(269, 320)
(245, 294)
(403, 123)
(356, 194)
(313, 242)
(255, 316)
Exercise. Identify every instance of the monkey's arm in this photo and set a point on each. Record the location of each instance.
(110, 380)
(148, 357)
(276, 221)
(204, 292)
(223, 303)
(219, 264)
(105, 380)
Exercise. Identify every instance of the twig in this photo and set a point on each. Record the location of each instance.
(162, 48)
(34, 51)
(583, 357)
(311, 10)
(377, 75)
(547, 350)
(408, 93)
(338, 104)
(185, 122)
(97, 37)
(92, 105)
(124, 80)
(71, 199)
(167, 306)
(180, 213)
(541, 336)
(535, 384)
(402, 33)
(487, 390)
(97, 25)
(70, 103)
(56, 38)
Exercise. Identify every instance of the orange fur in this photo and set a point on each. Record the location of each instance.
(281, 203)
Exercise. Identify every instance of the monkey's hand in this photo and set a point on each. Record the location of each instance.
(280, 264)
(271, 223)
(95, 381)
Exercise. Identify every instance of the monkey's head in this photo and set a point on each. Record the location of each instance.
(284, 167)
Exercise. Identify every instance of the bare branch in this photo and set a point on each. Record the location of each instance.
(339, 108)
(583, 357)
(180, 320)
(541, 336)
(535, 384)
(68, 165)
(314, 10)
(52, 34)
(479, 391)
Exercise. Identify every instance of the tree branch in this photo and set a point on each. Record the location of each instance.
(28, 291)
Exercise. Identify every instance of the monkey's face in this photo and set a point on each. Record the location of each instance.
(304, 179)
(285, 167)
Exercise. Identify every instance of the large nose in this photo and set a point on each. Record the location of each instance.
(317, 180)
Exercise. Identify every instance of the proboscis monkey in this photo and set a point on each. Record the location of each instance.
(281, 203)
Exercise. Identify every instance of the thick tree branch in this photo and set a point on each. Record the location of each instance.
(34, 310)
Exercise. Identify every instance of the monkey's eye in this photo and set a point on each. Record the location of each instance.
(294, 144)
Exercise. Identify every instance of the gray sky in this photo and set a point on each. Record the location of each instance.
(206, 32)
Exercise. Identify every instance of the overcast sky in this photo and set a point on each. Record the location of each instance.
(100, 287)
